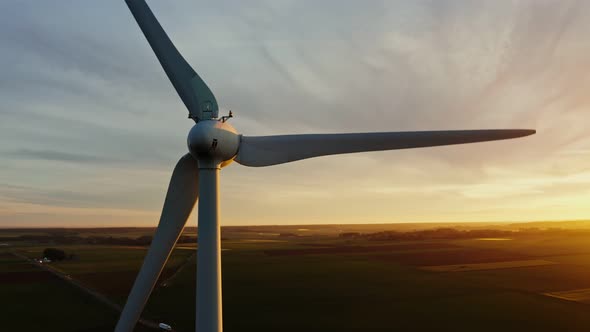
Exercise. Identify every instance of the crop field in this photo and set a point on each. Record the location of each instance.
(486, 266)
(324, 279)
(35, 300)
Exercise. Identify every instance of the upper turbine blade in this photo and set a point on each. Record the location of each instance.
(195, 94)
(272, 150)
(180, 200)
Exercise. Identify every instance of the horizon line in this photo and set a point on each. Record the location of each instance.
(327, 224)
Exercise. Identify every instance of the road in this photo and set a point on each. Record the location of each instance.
(99, 297)
(187, 262)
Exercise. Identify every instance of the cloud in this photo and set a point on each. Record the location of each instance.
(84, 97)
(57, 156)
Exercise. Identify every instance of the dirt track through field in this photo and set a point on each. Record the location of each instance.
(486, 266)
(96, 295)
(187, 262)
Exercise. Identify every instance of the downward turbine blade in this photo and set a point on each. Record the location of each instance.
(180, 200)
(272, 150)
(193, 91)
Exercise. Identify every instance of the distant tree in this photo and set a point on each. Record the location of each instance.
(54, 254)
(288, 235)
(349, 234)
(187, 239)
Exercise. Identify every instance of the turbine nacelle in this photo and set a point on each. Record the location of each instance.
(213, 140)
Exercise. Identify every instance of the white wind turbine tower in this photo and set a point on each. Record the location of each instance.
(212, 144)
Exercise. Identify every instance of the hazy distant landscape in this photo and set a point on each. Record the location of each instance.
(460, 277)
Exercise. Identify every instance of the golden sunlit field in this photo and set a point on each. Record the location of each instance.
(405, 277)
(486, 266)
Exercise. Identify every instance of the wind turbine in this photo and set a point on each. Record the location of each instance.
(213, 144)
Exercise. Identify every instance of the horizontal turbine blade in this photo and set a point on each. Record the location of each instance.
(180, 200)
(272, 150)
(193, 91)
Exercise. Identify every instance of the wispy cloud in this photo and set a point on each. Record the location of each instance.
(89, 118)
(57, 156)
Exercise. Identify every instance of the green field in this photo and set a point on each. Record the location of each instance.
(34, 300)
(300, 278)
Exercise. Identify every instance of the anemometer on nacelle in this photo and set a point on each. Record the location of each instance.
(227, 117)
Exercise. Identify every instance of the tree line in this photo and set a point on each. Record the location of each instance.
(444, 233)
(108, 240)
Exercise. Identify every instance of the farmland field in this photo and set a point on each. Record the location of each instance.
(486, 266)
(324, 278)
(35, 300)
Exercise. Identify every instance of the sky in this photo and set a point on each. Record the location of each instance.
(91, 128)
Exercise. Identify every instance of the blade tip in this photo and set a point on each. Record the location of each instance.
(521, 132)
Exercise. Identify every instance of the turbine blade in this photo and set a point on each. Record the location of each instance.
(193, 91)
(272, 150)
(180, 200)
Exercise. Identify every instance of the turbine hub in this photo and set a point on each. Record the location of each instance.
(213, 140)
